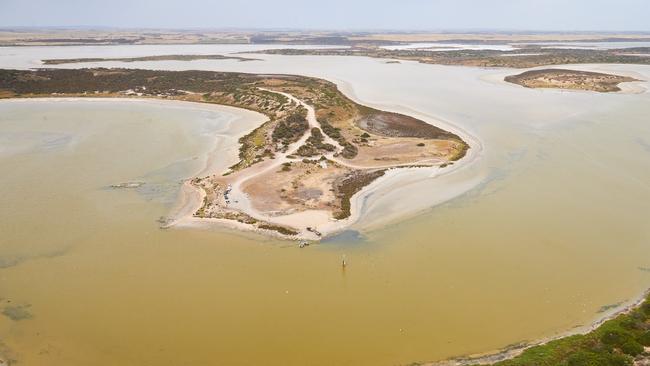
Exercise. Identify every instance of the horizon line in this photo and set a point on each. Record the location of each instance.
(336, 30)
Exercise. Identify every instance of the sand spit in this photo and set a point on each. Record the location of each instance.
(395, 176)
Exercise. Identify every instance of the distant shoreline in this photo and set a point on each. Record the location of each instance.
(98, 36)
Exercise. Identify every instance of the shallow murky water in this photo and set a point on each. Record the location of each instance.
(557, 227)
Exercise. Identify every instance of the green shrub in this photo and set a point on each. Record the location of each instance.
(644, 339)
(645, 308)
(632, 348)
(615, 337)
(585, 358)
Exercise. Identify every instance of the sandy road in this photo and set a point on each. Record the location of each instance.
(241, 201)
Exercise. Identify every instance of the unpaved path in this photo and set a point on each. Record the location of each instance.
(319, 219)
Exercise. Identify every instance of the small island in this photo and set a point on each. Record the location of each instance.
(569, 79)
(297, 172)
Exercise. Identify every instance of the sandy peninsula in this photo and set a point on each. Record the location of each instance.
(301, 174)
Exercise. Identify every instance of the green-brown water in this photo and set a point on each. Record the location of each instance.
(557, 228)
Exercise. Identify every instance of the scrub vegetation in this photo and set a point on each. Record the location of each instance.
(569, 79)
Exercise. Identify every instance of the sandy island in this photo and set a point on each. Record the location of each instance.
(570, 79)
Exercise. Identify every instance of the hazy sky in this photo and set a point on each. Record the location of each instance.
(334, 14)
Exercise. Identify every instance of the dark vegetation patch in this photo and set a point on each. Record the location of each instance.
(315, 145)
(291, 128)
(47, 81)
(286, 167)
(556, 72)
(350, 185)
(398, 125)
(281, 229)
(349, 150)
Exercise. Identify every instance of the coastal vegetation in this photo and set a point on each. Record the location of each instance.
(350, 185)
(315, 145)
(524, 57)
(569, 79)
(290, 128)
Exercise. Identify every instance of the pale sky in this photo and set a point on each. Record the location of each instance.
(612, 15)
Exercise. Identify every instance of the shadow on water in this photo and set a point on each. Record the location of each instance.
(160, 192)
(346, 237)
